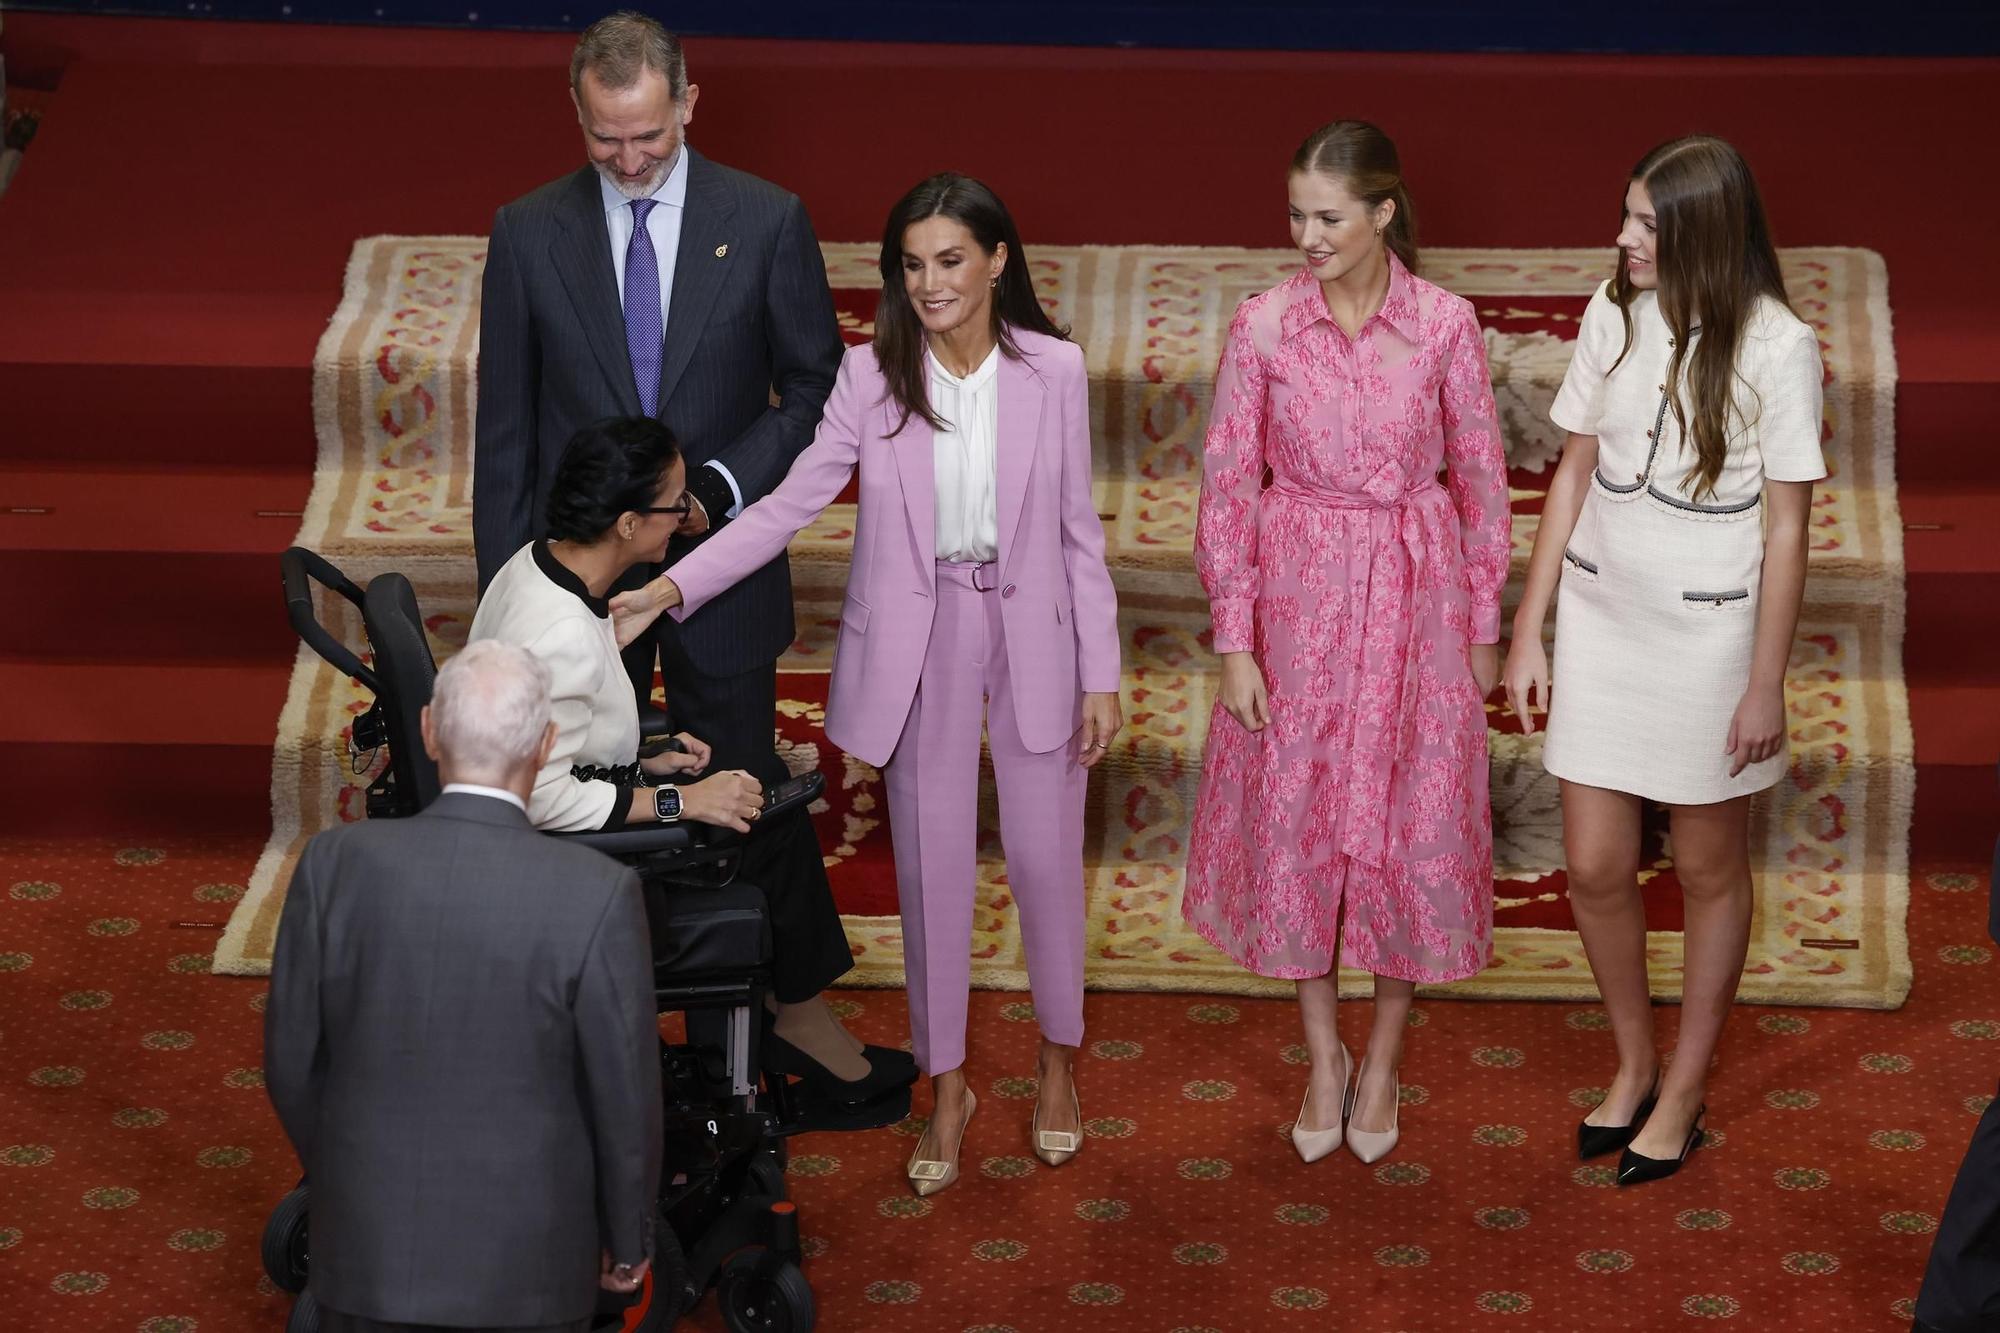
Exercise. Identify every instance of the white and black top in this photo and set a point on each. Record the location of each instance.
(536, 603)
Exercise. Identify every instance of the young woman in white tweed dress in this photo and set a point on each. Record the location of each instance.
(1676, 530)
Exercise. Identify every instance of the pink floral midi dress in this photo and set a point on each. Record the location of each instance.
(1359, 581)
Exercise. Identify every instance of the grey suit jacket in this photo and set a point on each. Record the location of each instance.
(750, 317)
(462, 1043)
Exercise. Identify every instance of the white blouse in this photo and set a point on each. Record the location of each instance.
(537, 604)
(966, 458)
(1774, 430)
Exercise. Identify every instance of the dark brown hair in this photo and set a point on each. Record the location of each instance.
(899, 334)
(1713, 253)
(1364, 161)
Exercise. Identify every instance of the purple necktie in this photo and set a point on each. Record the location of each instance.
(643, 334)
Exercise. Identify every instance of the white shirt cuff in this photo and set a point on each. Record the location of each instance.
(734, 489)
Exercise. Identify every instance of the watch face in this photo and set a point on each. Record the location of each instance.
(667, 802)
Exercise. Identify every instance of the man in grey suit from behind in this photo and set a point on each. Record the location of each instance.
(462, 1043)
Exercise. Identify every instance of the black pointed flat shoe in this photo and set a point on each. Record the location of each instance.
(1637, 1168)
(1597, 1140)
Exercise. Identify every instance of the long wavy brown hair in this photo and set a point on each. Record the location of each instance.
(1715, 260)
(899, 334)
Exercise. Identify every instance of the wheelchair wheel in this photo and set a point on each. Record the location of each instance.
(767, 1176)
(305, 1315)
(780, 1303)
(285, 1245)
(670, 1297)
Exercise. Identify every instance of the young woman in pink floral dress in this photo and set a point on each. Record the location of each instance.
(1356, 604)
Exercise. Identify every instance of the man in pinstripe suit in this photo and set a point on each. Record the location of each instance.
(653, 282)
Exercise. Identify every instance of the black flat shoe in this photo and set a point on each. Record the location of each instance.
(888, 1069)
(1637, 1168)
(1597, 1140)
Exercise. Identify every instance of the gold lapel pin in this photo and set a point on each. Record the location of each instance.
(721, 250)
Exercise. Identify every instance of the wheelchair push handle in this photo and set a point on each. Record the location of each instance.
(301, 569)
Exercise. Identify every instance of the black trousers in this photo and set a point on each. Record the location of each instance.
(737, 716)
(333, 1321)
(1961, 1290)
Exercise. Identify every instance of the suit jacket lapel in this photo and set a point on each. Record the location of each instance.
(1020, 439)
(915, 451)
(708, 224)
(581, 252)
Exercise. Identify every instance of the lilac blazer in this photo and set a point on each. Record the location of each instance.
(1057, 604)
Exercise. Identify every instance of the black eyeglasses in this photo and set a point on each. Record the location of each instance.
(683, 509)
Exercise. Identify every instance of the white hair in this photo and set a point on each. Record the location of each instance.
(489, 709)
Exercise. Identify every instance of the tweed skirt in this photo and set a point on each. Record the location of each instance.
(1656, 620)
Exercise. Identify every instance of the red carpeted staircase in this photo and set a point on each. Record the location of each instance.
(162, 302)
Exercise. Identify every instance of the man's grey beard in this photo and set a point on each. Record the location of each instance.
(644, 189)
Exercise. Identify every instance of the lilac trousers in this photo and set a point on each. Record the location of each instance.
(933, 782)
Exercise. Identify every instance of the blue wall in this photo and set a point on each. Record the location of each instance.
(1797, 27)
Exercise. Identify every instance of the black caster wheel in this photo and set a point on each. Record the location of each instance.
(305, 1315)
(779, 1303)
(284, 1245)
(767, 1176)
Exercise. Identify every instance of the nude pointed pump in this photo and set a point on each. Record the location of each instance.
(1313, 1144)
(1373, 1146)
(1056, 1146)
(927, 1176)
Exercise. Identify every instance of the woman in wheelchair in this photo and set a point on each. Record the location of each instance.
(615, 501)
(979, 595)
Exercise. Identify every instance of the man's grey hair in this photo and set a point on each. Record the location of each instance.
(617, 49)
(489, 709)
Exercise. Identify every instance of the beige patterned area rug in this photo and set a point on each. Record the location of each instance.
(393, 400)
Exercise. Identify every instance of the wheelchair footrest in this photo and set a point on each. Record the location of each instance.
(808, 1111)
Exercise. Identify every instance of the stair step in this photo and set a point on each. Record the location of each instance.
(1958, 813)
(71, 789)
(142, 705)
(1956, 724)
(1950, 528)
(129, 613)
(204, 415)
(151, 510)
(146, 564)
(1945, 430)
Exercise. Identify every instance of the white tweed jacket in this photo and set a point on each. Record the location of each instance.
(537, 604)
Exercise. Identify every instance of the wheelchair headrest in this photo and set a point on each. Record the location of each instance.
(407, 672)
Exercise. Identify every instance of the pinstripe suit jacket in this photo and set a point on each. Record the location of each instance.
(750, 319)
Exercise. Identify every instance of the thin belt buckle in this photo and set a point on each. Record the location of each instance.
(988, 571)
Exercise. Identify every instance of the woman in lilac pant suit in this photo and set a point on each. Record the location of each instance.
(978, 590)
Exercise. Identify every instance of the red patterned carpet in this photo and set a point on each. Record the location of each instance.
(138, 1155)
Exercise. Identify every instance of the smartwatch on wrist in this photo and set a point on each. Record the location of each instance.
(667, 803)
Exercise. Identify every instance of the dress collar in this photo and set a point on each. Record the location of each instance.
(1305, 303)
(556, 572)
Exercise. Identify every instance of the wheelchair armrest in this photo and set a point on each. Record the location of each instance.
(652, 721)
(646, 841)
(628, 843)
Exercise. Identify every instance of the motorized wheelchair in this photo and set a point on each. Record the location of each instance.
(724, 1219)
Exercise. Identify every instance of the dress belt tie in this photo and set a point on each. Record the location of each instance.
(1375, 747)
